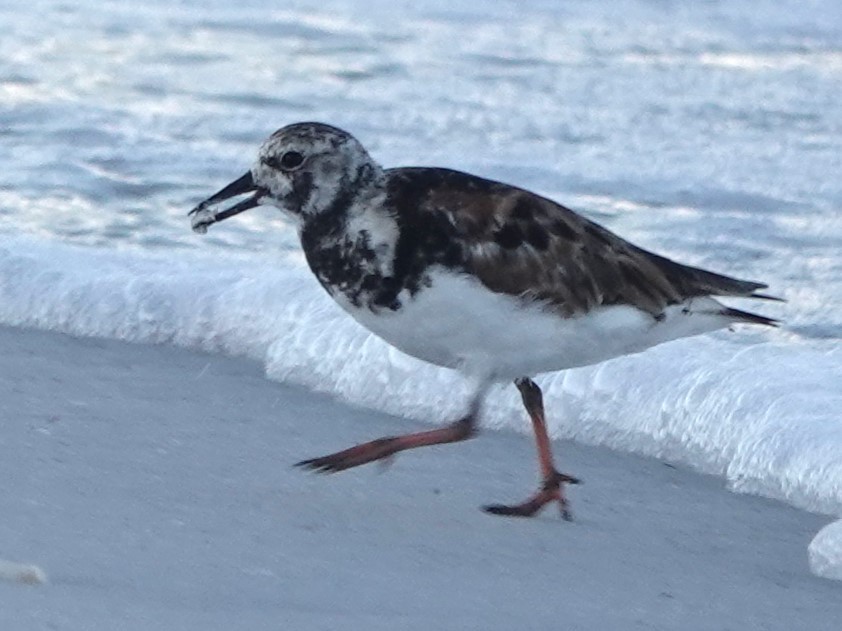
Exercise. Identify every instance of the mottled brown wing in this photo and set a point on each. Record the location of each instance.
(535, 248)
(522, 244)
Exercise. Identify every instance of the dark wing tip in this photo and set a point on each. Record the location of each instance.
(751, 318)
(767, 296)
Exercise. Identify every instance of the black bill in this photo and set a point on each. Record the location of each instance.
(204, 215)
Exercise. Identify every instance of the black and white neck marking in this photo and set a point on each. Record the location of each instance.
(350, 245)
(376, 246)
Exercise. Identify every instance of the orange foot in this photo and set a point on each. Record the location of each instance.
(552, 489)
(348, 458)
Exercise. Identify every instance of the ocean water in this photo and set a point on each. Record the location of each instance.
(711, 133)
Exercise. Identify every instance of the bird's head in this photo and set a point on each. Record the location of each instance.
(303, 169)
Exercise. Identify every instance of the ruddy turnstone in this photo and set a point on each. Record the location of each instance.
(475, 275)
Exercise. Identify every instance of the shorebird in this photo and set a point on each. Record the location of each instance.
(482, 277)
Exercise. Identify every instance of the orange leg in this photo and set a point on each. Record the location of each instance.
(390, 445)
(464, 428)
(552, 485)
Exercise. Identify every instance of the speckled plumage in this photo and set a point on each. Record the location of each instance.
(472, 274)
(519, 243)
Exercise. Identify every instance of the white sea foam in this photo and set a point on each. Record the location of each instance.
(686, 131)
(23, 573)
(760, 411)
(826, 552)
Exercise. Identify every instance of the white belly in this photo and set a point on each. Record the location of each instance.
(459, 323)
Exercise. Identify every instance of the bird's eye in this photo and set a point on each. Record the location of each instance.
(291, 160)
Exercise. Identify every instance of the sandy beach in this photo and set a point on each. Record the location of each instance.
(155, 488)
(148, 461)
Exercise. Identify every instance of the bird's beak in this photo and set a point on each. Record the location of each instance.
(204, 214)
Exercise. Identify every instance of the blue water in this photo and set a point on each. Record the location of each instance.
(710, 132)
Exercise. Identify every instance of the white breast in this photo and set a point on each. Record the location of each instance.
(459, 323)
